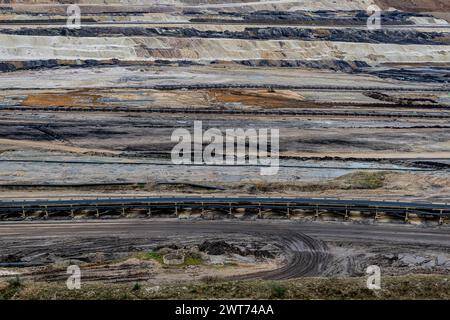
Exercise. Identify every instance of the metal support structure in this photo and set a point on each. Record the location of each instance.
(315, 206)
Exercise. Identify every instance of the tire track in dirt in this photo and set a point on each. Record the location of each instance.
(303, 255)
(301, 244)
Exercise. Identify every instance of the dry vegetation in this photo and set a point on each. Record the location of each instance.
(404, 287)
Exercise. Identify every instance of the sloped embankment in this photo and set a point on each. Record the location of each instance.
(151, 48)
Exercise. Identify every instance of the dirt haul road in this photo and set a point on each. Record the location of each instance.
(304, 245)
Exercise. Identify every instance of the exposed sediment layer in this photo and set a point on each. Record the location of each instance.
(249, 33)
(151, 48)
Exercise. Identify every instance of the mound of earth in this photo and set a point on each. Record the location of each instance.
(217, 248)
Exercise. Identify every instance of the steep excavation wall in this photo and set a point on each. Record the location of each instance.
(415, 5)
(150, 48)
(341, 5)
(246, 4)
(420, 12)
(405, 5)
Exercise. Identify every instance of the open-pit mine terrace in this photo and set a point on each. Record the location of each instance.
(86, 117)
(90, 105)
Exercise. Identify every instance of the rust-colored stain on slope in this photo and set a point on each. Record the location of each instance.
(66, 99)
(260, 98)
(415, 5)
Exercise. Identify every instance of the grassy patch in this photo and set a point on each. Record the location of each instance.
(189, 260)
(362, 180)
(150, 255)
(136, 287)
(193, 261)
(9, 289)
(277, 290)
(365, 180)
(400, 287)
